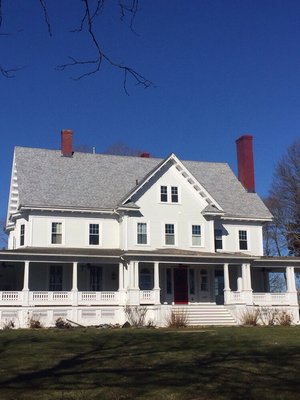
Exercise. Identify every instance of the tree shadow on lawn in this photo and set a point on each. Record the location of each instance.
(185, 369)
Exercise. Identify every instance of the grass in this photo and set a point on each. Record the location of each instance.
(212, 363)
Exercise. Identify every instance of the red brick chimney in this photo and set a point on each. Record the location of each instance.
(145, 155)
(66, 143)
(245, 162)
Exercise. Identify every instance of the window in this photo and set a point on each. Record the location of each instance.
(203, 280)
(169, 280)
(169, 194)
(94, 234)
(169, 234)
(218, 239)
(174, 194)
(163, 194)
(56, 233)
(145, 279)
(192, 281)
(243, 240)
(56, 278)
(196, 235)
(141, 233)
(95, 278)
(22, 235)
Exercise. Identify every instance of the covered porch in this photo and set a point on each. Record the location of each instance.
(70, 279)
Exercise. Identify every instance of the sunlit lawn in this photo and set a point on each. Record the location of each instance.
(208, 363)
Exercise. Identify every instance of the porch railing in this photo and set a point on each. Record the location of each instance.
(271, 298)
(98, 297)
(147, 296)
(44, 297)
(11, 297)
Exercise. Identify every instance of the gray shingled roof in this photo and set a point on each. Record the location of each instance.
(46, 179)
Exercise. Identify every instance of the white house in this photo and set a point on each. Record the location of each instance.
(91, 233)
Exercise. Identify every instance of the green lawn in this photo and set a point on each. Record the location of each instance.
(210, 363)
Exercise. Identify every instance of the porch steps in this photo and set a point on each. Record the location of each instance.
(207, 314)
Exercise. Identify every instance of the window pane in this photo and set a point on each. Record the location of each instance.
(22, 235)
(56, 237)
(170, 239)
(169, 228)
(243, 240)
(94, 234)
(163, 194)
(218, 239)
(141, 233)
(174, 194)
(196, 235)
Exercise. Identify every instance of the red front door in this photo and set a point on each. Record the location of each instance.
(181, 286)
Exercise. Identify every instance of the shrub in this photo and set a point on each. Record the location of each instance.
(8, 325)
(250, 317)
(284, 318)
(34, 323)
(62, 324)
(136, 315)
(177, 319)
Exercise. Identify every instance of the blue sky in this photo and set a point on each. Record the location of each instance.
(221, 68)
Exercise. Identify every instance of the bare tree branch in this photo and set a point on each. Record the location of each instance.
(87, 19)
(46, 16)
(9, 72)
(132, 9)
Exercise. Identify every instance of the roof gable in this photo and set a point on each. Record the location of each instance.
(184, 172)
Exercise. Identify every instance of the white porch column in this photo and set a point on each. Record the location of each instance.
(247, 289)
(26, 284)
(122, 294)
(75, 283)
(226, 284)
(239, 282)
(291, 285)
(136, 274)
(133, 289)
(156, 288)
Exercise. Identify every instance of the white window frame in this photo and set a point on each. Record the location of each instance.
(22, 236)
(242, 229)
(201, 235)
(164, 234)
(58, 221)
(87, 233)
(169, 194)
(147, 233)
(222, 238)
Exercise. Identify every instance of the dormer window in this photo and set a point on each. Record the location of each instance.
(22, 235)
(169, 194)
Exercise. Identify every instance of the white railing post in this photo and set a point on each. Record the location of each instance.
(26, 284)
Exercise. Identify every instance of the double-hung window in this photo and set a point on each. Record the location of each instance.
(169, 234)
(22, 235)
(94, 234)
(243, 242)
(141, 233)
(218, 239)
(196, 235)
(174, 194)
(169, 194)
(164, 194)
(56, 233)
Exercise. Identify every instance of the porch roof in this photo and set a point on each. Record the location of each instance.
(178, 256)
